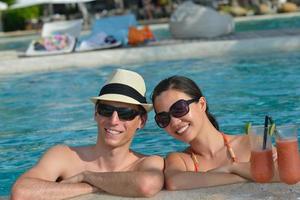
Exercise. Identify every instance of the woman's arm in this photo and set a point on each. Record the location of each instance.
(243, 169)
(178, 178)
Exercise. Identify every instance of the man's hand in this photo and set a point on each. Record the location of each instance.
(78, 178)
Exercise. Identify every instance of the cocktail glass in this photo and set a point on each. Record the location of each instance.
(288, 153)
(261, 161)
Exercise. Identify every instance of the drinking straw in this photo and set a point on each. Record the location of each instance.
(272, 122)
(265, 132)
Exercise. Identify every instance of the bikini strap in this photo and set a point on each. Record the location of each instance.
(229, 148)
(195, 160)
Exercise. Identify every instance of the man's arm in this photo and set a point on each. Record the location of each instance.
(145, 182)
(40, 181)
(33, 188)
(178, 178)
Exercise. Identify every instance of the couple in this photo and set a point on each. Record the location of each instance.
(213, 158)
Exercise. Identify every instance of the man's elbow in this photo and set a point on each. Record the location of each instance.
(18, 193)
(151, 185)
(170, 184)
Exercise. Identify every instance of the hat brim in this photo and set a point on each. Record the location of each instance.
(121, 98)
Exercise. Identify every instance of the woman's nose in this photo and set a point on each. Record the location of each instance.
(174, 121)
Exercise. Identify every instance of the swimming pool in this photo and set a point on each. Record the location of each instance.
(244, 24)
(268, 24)
(40, 110)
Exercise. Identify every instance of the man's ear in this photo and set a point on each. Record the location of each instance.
(144, 118)
(95, 115)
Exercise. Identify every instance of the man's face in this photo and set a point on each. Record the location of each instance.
(117, 122)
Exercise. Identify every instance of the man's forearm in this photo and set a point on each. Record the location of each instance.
(133, 184)
(32, 188)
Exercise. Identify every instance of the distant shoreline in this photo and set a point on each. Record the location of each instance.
(164, 21)
(238, 43)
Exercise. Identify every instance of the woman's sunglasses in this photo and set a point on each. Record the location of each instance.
(127, 114)
(178, 109)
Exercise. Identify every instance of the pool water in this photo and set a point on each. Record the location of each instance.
(268, 24)
(40, 110)
(248, 25)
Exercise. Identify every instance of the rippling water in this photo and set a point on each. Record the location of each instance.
(40, 110)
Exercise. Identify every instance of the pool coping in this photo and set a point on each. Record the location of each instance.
(236, 44)
(245, 191)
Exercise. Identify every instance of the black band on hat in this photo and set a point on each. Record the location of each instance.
(117, 88)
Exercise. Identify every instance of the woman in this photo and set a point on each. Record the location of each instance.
(219, 159)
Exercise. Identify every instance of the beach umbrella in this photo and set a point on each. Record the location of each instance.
(27, 3)
(3, 6)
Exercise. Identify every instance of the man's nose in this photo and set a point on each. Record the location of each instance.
(114, 118)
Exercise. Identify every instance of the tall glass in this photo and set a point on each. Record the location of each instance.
(261, 161)
(288, 154)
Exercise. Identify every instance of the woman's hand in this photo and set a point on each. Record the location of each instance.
(242, 169)
(223, 169)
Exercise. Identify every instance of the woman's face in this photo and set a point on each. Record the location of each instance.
(187, 127)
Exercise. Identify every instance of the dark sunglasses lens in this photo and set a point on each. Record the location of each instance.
(179, 109)
(105, 110)
(162, 119)
(123, 113)
(127, 113)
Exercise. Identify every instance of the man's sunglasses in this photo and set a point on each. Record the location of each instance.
(127, 114)
(178, 109)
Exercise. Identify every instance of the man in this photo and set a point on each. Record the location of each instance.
(109, 165)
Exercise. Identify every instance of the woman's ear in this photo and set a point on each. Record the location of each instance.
(202, 102)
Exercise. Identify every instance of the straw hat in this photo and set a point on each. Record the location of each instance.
(124, 86)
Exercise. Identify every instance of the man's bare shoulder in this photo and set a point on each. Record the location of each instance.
(56, 152)
(154, 162)
(60, 151)
(51, 165)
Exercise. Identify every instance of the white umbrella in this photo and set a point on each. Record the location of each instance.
(3, 6)
(27, 3)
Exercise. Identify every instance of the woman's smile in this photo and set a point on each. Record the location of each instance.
(182, 129)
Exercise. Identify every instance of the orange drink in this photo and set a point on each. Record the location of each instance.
(288, 160)
(262, 167)
(261, 161)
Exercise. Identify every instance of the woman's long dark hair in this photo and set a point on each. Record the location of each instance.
(186, 86)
